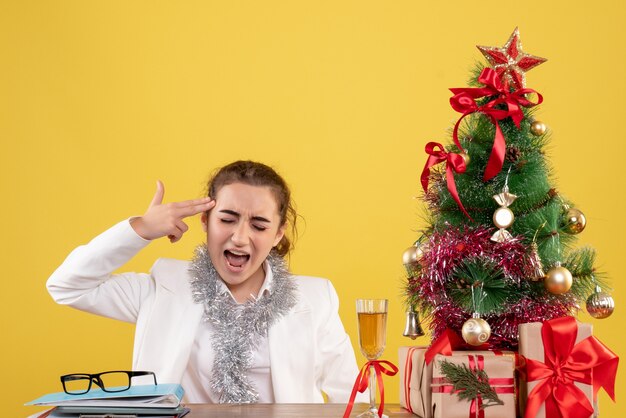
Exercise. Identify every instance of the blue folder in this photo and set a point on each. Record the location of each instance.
(168, 395)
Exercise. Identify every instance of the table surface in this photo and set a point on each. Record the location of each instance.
(287, 410)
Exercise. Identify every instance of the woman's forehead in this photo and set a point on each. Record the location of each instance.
(246, 199)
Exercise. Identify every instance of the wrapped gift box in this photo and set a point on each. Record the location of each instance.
(416, 377)
(499, 367)
(531, 347)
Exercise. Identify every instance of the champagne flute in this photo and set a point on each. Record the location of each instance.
(372, 316)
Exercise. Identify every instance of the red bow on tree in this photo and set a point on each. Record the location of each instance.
(464, 101)
(589, 362)
(454, 163)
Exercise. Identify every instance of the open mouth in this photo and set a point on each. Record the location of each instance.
(236, 259)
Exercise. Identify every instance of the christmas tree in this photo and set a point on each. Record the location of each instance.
(498, 250)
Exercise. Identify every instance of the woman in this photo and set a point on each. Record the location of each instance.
(233, 325)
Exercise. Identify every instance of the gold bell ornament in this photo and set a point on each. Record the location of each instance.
(412, 327)
(600, 304)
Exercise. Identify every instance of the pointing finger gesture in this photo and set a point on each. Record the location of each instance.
(162, 220)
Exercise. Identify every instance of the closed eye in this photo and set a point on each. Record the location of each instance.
(259, 227)
(227, 221)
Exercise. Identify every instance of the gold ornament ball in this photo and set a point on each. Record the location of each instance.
(411, 256)
(503, 217)
(538, 128)
(466, 158)
(558, 280)
(600, 305)
(476, 331)
(574, 221)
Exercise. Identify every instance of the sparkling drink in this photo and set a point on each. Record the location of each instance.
(372, 320)
(372, 330)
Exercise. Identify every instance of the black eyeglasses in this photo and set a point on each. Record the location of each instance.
(113, 381)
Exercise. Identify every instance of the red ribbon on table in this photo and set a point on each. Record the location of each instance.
(464, 101)
(362, 382)
(499, 385)
(454, 163)
(589, 362)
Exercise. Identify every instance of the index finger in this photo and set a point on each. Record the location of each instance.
(193, 202)
(191, 210)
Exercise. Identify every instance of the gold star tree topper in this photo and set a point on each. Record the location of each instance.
(510, 62)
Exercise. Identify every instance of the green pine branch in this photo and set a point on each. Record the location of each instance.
(469, 384)
(580, 263)
(479, 285)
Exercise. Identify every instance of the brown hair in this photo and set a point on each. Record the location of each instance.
(259, 174)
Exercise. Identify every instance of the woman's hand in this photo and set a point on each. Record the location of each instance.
(167, 219)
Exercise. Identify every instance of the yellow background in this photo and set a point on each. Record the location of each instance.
(100, 99)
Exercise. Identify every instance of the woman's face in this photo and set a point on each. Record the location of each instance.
(241, 230)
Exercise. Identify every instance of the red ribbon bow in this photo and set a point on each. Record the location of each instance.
(589, 362)
(444, 344)
(464, 101)
(447, 342)
(454, 163)
(362, 382)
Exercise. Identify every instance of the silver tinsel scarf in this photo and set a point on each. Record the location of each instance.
(238, 328)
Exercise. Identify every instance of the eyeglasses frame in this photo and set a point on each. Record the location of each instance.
(95, 378)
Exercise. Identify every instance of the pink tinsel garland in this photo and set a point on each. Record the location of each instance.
(447, 249)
